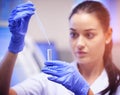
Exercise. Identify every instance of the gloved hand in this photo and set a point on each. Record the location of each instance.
(18, 24)
(67, 75)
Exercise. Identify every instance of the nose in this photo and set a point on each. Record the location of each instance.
(80, 42)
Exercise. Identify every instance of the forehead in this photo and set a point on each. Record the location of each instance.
(84, 20)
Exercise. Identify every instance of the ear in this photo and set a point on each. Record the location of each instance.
(108, 35)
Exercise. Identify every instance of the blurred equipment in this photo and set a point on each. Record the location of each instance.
(29, 62)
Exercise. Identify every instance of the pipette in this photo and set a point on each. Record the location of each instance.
(49, 51)
(41, 27)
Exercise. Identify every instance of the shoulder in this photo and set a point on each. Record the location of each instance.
(100, 83)
(118, 91)
(40, 85)
(35, 84)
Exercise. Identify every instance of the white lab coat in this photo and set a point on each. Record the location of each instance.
(40, 85)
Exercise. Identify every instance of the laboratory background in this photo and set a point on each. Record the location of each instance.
(48, 29)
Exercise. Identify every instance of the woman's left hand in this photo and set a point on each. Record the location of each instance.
(67, 75)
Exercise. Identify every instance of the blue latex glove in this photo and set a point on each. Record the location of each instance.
(67, 75)
(18, 24)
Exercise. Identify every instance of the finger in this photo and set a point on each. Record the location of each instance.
(23, 14)
(50, 71)
(24, 8)
(54, 63)
(55, 79)
(49, 63)
(25, 4)
(15, 11)
(60, 80)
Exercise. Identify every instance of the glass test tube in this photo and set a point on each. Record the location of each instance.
(49, 54)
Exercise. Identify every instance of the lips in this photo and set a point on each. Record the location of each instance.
(80, 53)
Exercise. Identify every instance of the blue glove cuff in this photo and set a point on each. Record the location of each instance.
(82, 86)
(16, 44)
(82, 90)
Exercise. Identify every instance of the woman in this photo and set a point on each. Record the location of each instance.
(97, 28)
(90, 73)
(90, 39)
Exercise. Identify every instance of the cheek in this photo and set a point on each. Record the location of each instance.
(98, 48)
(72, 44)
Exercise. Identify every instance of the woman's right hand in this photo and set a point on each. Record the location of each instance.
(18, 25)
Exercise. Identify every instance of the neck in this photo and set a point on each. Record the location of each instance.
(91, 71)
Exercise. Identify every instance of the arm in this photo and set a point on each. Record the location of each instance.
(6, 69)
(18, 24)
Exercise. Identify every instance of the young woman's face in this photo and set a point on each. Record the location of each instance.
(87, 38)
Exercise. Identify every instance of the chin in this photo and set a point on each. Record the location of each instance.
(82, 61)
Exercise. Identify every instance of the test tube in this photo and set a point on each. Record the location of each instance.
(49, 54)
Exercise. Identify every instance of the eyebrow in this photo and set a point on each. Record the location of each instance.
(72, 29)
(86, 30)
(89, 29)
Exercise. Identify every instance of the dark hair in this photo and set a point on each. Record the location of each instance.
(103, 16)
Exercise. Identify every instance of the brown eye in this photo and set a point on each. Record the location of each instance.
(89, 35)
(74, 34)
